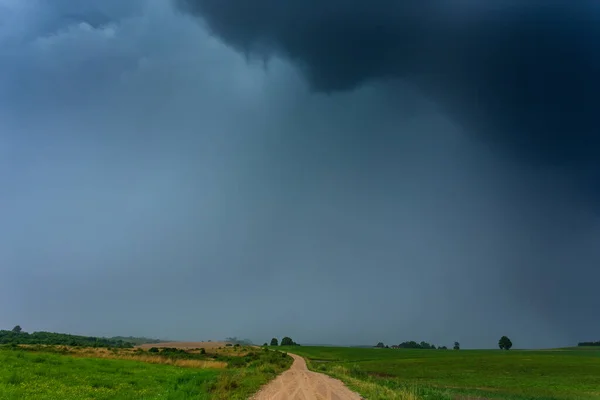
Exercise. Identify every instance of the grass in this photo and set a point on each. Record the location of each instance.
(243, 378)
(63, 373)
(465, 374)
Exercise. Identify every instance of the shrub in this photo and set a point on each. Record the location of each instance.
(236, 362)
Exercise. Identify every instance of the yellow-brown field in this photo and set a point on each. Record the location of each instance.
(132, 354)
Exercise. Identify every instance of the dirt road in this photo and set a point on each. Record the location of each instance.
(301, 384)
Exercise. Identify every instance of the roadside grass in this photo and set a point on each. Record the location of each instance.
(51, 372)
(247, 374)
(466, 374)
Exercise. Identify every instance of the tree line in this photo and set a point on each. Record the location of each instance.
(18, 336)
(286, 341)
(504, 344)
(137, 340)
(416, 345)
(588, 344)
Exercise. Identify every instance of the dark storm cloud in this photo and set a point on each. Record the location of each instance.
(523, 77)
(522, 74)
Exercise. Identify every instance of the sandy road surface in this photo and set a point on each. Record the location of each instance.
(301, 384)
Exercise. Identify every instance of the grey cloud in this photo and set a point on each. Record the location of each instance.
(155, 182)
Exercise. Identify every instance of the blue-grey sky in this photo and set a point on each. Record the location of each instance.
(381, 171)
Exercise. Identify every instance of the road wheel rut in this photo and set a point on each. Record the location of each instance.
(298, 383)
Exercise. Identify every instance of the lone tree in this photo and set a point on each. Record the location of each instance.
(17, 329)
(380, 345)
(456, 346)
(274, 342)
(287, 341)
(504, 343)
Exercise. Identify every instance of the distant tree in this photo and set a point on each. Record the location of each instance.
(442, 348)
(153, 350)
(17, 329)
(456, 346)
(426, 346)
(265, 345)
(504, 343)
(380, 345)
(274, 342)
(287, 341)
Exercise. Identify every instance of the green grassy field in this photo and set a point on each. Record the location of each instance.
(466, 374)
(45, 376)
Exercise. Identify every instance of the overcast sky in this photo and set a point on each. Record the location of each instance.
(339, 172)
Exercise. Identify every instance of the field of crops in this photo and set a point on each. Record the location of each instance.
(52, 373)
(463, 374)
